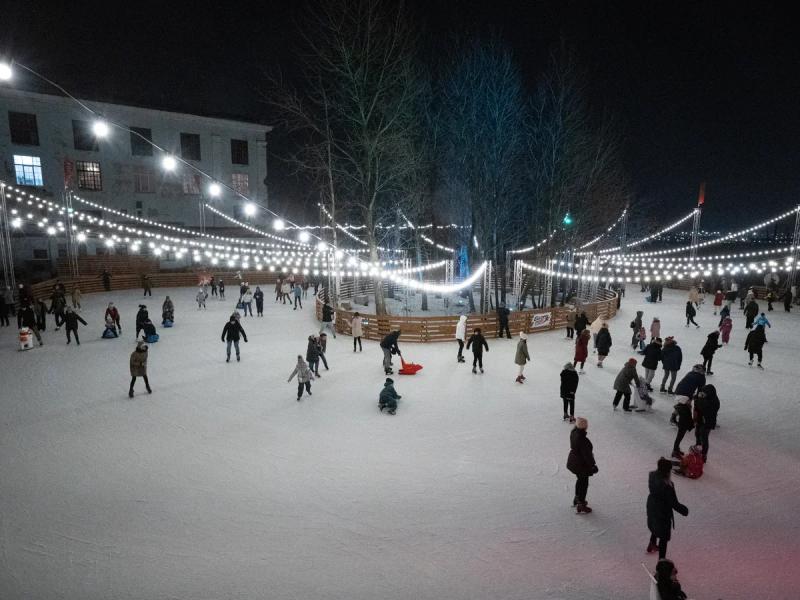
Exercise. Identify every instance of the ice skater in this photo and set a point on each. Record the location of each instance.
(111, 311)
(671, 359)
(581, 463)
(750, 313)
(502, 321)
(754, 344)
(356, 328)
(622, 385)
(521, 357)
(569, 385)
(661, 501)
(138, 364)
(711, 346)
(71, 320)
(258, 296)
(27, 318)
(655, 329)
(167, 311)
(304, 377)
(571, 324)
(323, 349)
(667, 584)
(461, 337)
(247, 301)
(706, 407)
(478, 343)
(230, 334)
(388, 397)
(297, 291)
(201, 299)
(725, 329)
(141, 317)
(389, 347)
(581, 349)
(76, 296)
(652, 356)
(718, 298)
(221, 289)
(603, 344)
(691, 313)
(327, 317)
(312, 354)
(636, 325)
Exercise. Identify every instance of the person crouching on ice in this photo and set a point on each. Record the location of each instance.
(388, 397)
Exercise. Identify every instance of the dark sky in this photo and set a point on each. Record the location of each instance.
(705, 92)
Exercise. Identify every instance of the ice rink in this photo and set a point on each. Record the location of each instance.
(221, 485)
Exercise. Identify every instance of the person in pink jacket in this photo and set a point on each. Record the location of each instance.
(725, 329)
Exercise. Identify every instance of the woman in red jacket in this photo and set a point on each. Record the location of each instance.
(582, 349)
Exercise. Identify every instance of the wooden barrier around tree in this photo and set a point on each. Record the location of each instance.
(441, 328)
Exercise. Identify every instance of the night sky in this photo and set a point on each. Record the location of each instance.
(703, 93)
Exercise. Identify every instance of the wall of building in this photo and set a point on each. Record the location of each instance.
(168, 201)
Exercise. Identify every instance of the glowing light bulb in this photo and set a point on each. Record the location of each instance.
(169, 163)
(100, 129)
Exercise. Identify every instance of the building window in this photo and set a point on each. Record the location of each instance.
(239, 155)
(83, 136)
(23, 129)
(89, 175)
(143, 181)
(190, 146)
(240, 183)
(191, 183)
(139, 146)
(40, 254)
(28, 170)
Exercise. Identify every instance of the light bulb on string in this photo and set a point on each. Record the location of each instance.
(100, 129)
(250, 209)
(214, 190)
(6, 72)
(169, 163)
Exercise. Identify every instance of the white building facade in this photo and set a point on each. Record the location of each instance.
(47, 144)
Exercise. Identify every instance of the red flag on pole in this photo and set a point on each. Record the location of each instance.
(701, 198)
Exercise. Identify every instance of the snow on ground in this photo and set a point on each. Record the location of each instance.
(221, 485)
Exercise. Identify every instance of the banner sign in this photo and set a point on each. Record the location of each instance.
(541, 320)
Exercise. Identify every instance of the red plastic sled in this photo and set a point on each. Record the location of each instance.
(408, 368)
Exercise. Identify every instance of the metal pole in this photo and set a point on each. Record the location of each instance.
(72, 242)
(795, 251)
(6, 252)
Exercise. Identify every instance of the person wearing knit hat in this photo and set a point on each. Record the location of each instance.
(661, 501)
(622, 385)
(569, 385)
(522, 356)
(581, 463)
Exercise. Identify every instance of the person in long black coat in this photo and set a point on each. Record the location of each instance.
(27, 318)
(478, 343)
(581, 463)
(661, 501)
(258, 296)
(71, 320)
(669, 588)
(141, 317)
(754, 344)
(603, 344)
(711, 346)
(750, 312)
(581, 322)
(502, 321)
(706, 407)
(569, 385)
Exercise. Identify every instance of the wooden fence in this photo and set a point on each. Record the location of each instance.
(442, 328)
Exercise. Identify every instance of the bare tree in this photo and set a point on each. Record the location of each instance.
(358, 110)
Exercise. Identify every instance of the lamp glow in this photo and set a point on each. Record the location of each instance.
(100, 129)
(169, 163)
(214, 190)
(304, 236)
(278, 224)
(5, 72)
(250, 209)
(81, 237)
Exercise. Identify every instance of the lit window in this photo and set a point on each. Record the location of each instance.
(143, 181)
(28, 170)
(240, 182)
(191, 183)
(89, 177)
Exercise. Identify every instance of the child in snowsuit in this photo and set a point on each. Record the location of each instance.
(304, 377)
(201, 299)
(388, 397)
(478, 343)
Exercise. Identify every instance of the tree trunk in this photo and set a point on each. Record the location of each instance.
(380, 303)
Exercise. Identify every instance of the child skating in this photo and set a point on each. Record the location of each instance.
(478, 343)
(304, 377)
(388, 397)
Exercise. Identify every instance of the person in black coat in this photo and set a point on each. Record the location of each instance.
(141, 317)
(787, 300)
(41, 315)
(652, 356)
(312, 355)
(685, 422)
(669, 588)
(230, 334)
(754, 344)
(671, 359)
(327, 319)
(581, 463)
(71, 320)
(691, 312)
(750, 313)
(603, 344)
(221, 289)
(389, 346)
(706, 407)
(258, 296)
(581, 322)
(661, 501)
(478, 343)
(569, 385)
(502, 321)
(711, 346)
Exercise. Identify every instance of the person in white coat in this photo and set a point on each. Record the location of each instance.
(356, 328)
(461, 336)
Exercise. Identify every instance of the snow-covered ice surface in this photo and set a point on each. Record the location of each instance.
(221, 485)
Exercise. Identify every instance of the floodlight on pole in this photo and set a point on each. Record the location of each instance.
(250, 209)
(214, 190)
(6, 72)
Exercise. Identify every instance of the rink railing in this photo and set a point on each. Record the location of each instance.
(441, 328)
